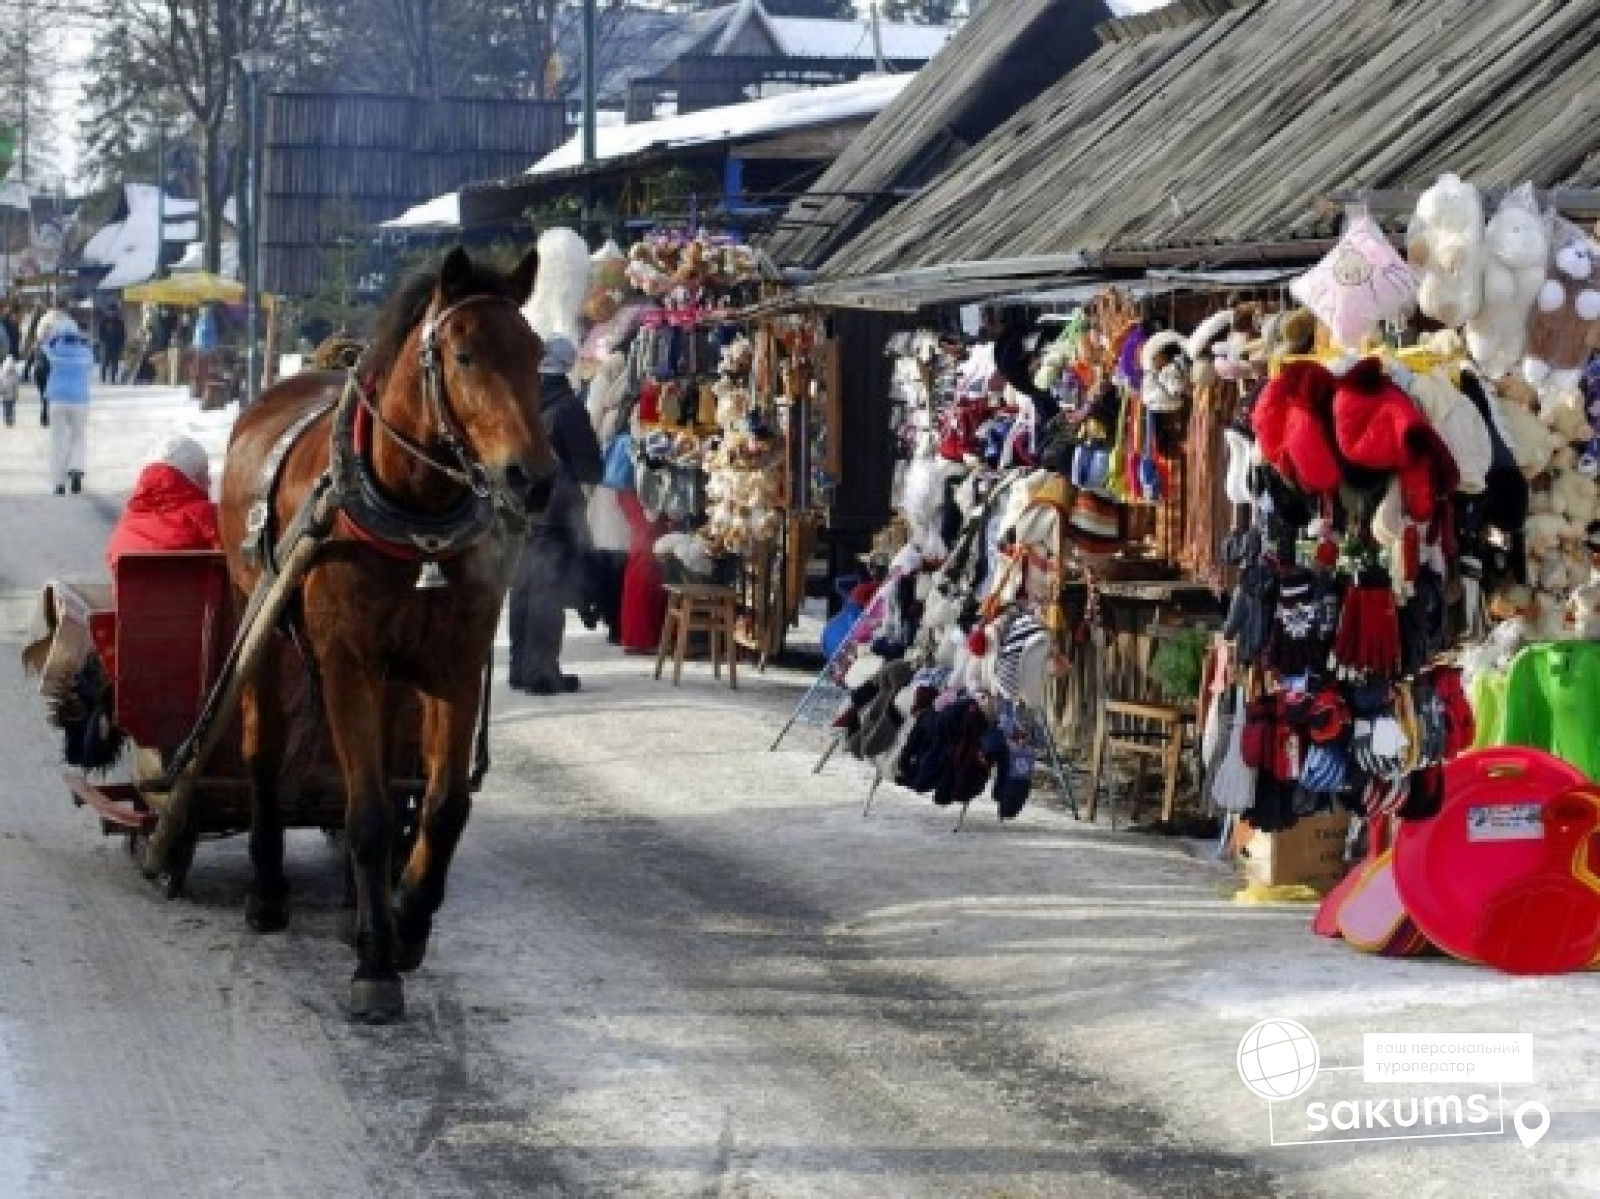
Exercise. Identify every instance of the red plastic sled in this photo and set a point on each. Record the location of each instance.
(1459, 874)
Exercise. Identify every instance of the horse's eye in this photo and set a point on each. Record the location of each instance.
(463, 358)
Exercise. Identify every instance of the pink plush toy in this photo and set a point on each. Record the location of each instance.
(1359, 285)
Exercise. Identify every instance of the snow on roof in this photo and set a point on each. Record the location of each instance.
(441, 212)
(193, 258)
(1129, 8)
(813, 37)
(128, 247)
(772, 114)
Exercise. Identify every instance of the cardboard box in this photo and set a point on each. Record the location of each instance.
(1311, 854)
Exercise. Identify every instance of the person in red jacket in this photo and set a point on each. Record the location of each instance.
(170, 508)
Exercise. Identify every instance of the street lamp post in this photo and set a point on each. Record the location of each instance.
(251, 63)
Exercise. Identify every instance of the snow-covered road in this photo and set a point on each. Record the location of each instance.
(673, 964)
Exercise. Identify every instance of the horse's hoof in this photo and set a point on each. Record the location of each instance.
(266, 914)
(377, 1000)
(408, 955)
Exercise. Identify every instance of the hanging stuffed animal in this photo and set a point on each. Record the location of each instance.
(1566, 315)
(1445, 243)
(556, 306)
(1165, 386)
(1361, 284)
(1518, 250)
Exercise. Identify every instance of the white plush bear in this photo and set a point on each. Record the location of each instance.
(1518, 247)
(1573, 497)
(1583, 612)
(1533, 444)
(556, 306)
(1445, 242)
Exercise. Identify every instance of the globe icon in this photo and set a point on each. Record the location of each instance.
(1278, 1059)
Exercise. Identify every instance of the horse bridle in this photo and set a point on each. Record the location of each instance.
(468, 470)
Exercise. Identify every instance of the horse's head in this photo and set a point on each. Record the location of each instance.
(484, 359)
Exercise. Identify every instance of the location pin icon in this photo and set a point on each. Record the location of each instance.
(1532, 1121)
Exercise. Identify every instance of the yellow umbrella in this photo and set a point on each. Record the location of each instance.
(186, 291)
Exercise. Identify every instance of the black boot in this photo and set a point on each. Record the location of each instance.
(75, 479)
(11, 412)
(44, 413)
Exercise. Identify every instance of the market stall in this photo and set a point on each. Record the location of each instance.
(715, 428)
(1377, 485)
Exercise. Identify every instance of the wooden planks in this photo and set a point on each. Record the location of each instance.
(1225, 125)
(1006, 55)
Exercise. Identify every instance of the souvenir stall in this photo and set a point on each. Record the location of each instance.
(715, 432)
(1386, 473)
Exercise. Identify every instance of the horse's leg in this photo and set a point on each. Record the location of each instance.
(358, 720)
(449, 723)
(266, 908)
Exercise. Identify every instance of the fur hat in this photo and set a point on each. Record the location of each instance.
(1292, 420)
(1380, 428)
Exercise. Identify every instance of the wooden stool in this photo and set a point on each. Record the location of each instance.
(700, 608)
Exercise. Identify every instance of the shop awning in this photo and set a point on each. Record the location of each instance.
(186, 291)
(954, 283)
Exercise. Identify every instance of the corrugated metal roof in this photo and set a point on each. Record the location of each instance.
(1001, 59)
(1216, 122)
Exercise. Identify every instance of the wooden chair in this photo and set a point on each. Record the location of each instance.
(1136, 718)
(700, 608)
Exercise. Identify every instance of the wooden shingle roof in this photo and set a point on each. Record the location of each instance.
(1229, 122)
(1004, 57)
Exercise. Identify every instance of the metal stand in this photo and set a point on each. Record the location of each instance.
(822, 700)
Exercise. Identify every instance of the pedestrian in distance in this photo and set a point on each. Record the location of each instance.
(71, 361)
(50, 323)
(13, 331)
(10, 385)
(551, 576)
(113, 337)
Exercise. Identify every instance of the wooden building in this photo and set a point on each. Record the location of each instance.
(336, 164)
(1228, 132)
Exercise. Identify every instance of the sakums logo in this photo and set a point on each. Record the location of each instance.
(1309, 1103)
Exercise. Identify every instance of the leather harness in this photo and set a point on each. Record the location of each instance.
(364, 513)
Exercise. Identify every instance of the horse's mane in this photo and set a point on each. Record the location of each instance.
(409, 304)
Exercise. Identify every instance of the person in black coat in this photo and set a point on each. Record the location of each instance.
(551, 576)
(113, 336)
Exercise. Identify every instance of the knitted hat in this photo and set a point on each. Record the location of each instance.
(189, 458)
(1095, 525)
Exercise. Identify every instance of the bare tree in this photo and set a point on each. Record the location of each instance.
(191, 48)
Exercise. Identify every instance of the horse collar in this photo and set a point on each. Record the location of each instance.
(368, 516)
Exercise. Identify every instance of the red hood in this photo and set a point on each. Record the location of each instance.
(162, 488)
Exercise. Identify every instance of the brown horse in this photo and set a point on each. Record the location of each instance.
(450, 393)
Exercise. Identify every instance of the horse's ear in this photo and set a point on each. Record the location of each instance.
(522, 278)
(455, 276)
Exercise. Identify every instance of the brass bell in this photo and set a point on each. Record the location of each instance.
(431, 578)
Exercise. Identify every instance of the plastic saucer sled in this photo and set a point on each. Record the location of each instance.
(1459, 872)
(1550, 923)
